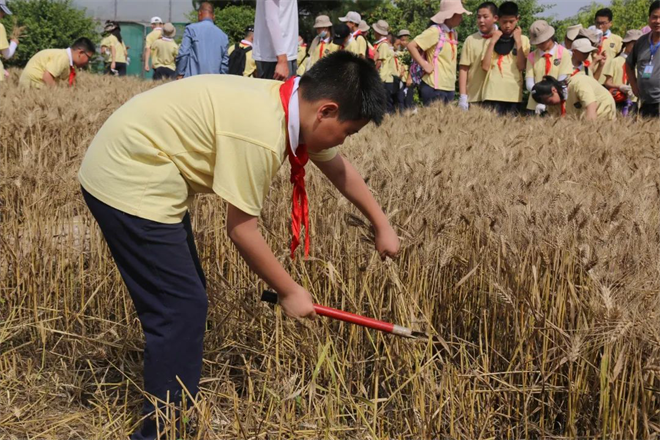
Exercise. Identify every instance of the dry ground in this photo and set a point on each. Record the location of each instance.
(530, 246)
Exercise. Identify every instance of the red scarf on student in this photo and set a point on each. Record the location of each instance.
(548, 63)
(72, 76)
(300, 207)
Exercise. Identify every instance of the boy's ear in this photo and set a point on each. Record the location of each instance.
(327, 110)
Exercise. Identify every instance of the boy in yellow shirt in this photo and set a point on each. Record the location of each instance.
(143, 168)
(549, 59)
(610, 43)
(243, 63)
(471, 75)
(435, 51)
(616, 75)
(353, 20)
(321, 44)
(504, 62)
(579, 95)
(114, 50)
(7, 47)
(51, 66)
(586, 60)
(343, 39)
(386, 62)
(155, 34)
(164, 51)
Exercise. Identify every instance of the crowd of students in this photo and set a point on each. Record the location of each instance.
(594, 71)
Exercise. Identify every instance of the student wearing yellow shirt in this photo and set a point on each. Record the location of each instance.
(50, 66)
(435, 50)
(586, 60)
(242, 62)
(579, 95)
(571, 34)
(471, 75)
(302, 55)
(549, 59)
(610, 43)
(142, 170)
(406, 95)
(343, 39)
(163, 53)
(321, 44)
(155, 34)
(7, 47)
(616, 75)
(114, 50)
(386, 62)
(353, 20)
(505, 61)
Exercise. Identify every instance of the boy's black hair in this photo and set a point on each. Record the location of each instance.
(84, 44)
(544, 88)
(654, 6)
(508, 9)
(350, 81)
(605, 12)
(492, 7)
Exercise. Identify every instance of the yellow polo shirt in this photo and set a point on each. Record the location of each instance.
(582, 91)
(202, 139)
(353, 47)
(164, 53)
(385, 55)
(505, 83)
(302, 53)
(612, 45)
(55, 61)
(362, 44)
(445, 65)
(472, 55)
(250, 64)
(152, 36)
(320, 49)
(560, 66)
(120, 49)
(4, 44)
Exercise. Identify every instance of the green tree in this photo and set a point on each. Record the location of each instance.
(233, 20)
(48, 24)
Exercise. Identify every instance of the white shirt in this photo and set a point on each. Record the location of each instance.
(276, 30)
(68, 52)
(294, 117)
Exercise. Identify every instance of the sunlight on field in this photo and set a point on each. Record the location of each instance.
(530, 246)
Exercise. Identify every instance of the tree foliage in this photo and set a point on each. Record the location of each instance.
(48, 24)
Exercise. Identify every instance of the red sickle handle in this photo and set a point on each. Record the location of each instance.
(271, 297)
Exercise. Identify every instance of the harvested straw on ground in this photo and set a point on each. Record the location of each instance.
(530, 246)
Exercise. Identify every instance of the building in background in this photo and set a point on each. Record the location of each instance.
(133, 17)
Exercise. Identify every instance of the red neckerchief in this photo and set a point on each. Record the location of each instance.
(548, 63)
(300, 206)
(72, 76)
(577, 70)
(563, 107)
(625, 74)
(602, 43)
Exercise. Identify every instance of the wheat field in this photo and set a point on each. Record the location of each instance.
(530, 247)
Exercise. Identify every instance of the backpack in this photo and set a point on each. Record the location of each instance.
(237, 60)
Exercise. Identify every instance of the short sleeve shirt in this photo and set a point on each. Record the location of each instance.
(150, 164)
(385, 55)
(639, 58)
(584, 90)
(611, 45)
(4, 44)
(445, 64)
(120, 49)
(54, 61)
(164, 53)
(560, 65)
(504, 81)
(471, 57)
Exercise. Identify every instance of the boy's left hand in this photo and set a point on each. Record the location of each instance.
(517, 35)
(387, 242)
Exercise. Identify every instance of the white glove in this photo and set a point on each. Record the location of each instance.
(463, 103)
(540, 108)
(625, 89)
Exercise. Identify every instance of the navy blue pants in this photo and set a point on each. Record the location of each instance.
(161, 269)
(429, 95)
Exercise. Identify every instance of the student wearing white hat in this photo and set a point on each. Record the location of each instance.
(353, 20)
(321, 44)
(386, 62)
(571, 34)
(586, 60)
(164, 52)
(7, 47)
(155, 34)
(616, 76)
(549, 59)
(579, 95)
(435, 50)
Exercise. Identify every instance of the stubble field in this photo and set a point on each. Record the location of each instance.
(530, 247)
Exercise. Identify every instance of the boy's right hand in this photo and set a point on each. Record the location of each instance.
(297, 303)
(428, 67)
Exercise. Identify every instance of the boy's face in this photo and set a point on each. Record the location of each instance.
(654, 21)
(404, 41)
(485, 20)
(547, 45)
(603, 23)
(508, 24)
(326, 130)
(454, 21)
(80, 57)
(579, 57)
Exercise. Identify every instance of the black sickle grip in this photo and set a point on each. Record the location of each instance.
(269, 296)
